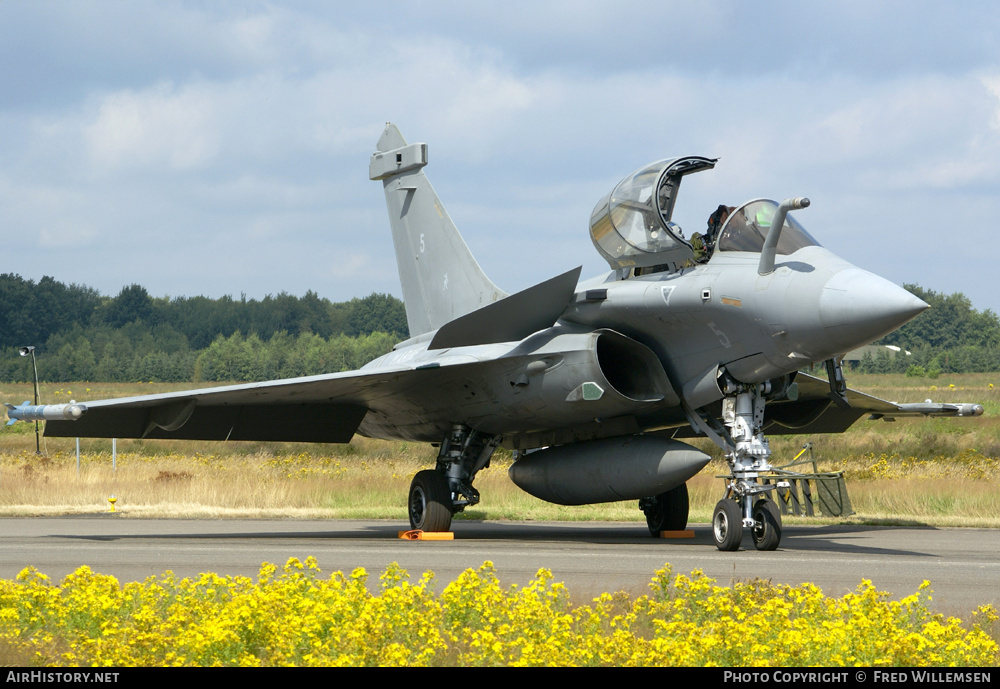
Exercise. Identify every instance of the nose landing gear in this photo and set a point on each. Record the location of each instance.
(727, 525)
(766, 525)
(745, 505)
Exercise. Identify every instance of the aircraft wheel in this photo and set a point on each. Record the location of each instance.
(727, 525)
(767, 525)
(669, 511)
(430, 501)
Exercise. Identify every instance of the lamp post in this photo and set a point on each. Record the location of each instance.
(25, 351)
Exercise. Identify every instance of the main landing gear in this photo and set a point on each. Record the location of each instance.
(666, 511)
(746, 504)
(436, 494)
(430, 504)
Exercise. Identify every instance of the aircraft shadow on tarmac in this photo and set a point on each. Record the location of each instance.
(834, 538)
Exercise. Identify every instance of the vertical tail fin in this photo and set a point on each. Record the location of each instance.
(440, 278)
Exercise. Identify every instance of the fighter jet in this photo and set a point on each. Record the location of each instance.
(592, 384)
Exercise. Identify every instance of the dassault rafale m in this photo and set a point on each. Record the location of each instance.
(591, 383)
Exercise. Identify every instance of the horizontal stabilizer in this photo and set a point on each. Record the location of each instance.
(513, 318)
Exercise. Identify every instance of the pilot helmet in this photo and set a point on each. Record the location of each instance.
(763, 215)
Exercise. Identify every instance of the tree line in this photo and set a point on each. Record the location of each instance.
(81, 335)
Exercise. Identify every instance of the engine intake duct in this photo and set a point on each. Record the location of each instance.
(631, 368)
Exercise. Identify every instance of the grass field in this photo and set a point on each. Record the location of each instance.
(912, 471)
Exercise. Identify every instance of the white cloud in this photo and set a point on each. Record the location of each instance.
(158, 126)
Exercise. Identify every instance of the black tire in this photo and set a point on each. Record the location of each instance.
(727, 525)
(669, 511)
(430, 501)
(766, 525)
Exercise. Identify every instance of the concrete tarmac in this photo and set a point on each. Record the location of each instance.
(963, 565)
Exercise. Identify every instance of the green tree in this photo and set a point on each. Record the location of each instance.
(377, 313)
(133, 303)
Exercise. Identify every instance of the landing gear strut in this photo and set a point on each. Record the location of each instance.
(746, 504)
(743, 415)
(436, 494)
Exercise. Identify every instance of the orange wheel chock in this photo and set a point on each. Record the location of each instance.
(418, 535)
(686, 533)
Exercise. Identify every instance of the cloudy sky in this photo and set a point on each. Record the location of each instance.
(222, 147)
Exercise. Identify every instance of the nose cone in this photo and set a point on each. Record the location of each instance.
(857, 307)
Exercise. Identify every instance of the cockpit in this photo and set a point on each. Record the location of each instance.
(747, 227)
(632, 229)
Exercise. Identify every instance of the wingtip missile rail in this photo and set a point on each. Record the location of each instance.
(45, 412)
(929, 408)
(968, 410)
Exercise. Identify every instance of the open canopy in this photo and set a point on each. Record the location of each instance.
(631, 227)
